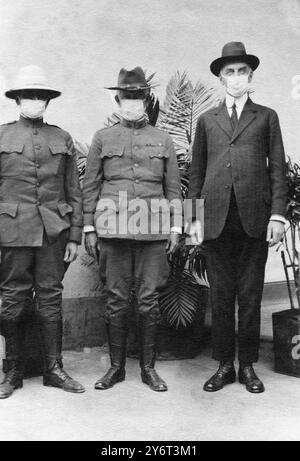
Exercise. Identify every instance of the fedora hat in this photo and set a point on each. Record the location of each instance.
(233, 52)
(131, 80)
(31, 78)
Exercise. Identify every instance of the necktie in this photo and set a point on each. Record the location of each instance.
(234, 118)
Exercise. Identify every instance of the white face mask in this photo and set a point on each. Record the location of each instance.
(237, 85)
(132, 109)
(32, 108)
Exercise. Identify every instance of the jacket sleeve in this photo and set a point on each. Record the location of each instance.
(172, 185)
(277, 166)
(73, 193)
(198, 165)
(92, 181)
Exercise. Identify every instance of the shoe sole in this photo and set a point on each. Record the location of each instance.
(109, 387)
(73, 391)
(18, 386)
(153, 388)
(232, 381)
(259, 391)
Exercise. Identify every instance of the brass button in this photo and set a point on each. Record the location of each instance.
(227, 186)
(38, 202)
(228, 165)
(136, 165)
(135, 133)
(37, 147)
(137, 180)
(135, 147)
(37, 165)
(231, 145)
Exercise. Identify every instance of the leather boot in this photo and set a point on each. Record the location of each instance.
(248, 377)
(12, 366)
(225, 375)
(117, 338)
(147, 332)
(54, 374)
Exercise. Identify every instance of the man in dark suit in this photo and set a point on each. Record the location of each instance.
(238, 169)
(40, 227)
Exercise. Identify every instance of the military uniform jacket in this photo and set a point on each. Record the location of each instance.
(131, 163)
(39, 184)
(250, 160)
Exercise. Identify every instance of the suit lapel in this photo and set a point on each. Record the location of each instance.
(223, 120)
(247, 116)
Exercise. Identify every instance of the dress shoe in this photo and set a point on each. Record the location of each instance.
(113, 376)
(248, 377)
(154, 381)
(57, 377)
(13, 380)
(225, 375)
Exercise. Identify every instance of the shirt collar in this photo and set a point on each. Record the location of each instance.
(239, 102)
(134, 123)
(38, 122)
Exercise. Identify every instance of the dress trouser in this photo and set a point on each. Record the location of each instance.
(236, 268)
(25, 270)
(133, 264)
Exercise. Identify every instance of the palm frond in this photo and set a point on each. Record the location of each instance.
(180, 298)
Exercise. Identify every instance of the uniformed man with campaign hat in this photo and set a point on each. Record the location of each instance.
(131, 167)
(40, 226)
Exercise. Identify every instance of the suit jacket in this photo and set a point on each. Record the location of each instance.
(131, 163)
(250, 160)
(39, 185)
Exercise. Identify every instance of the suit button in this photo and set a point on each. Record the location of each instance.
(37, 184)
(232, 145)
(37, 147)
(37, 165)
(227, 186)
(228, 165)
(137, 181)
(136, 165)
(135, 133)
(135, 147)
(38, 202)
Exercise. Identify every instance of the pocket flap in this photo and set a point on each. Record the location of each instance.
(9, 208)
(64, 208)
(58, 147)
(10, 147)
(158, 151)
(112, 151)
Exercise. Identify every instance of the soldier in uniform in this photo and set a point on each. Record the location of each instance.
(40, 227)
(130, 165)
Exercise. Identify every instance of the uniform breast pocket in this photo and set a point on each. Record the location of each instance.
(11, 158)
(157, 157)
(8, 225)
(57, 164)
(112, 158)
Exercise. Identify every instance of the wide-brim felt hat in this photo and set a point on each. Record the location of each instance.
(32, 78)
(233, 52)
(131, 80)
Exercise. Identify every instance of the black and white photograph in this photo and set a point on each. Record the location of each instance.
(149, 223)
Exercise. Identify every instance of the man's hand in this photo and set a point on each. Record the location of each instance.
(196, 233)
(172, 242)
(275, 232)
(91, 244)
(71, 252)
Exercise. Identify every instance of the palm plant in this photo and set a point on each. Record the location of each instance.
(184, 103)
(292, 232)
